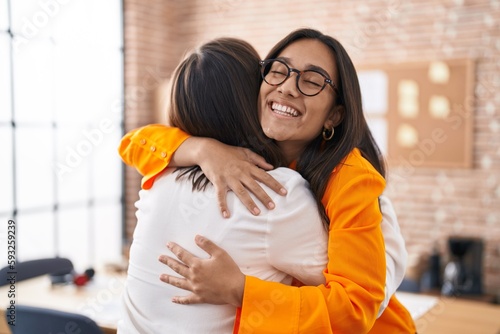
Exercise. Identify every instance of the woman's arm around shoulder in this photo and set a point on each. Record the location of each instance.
(150, 150)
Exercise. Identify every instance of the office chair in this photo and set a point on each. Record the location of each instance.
(57, 266)
(30, 320)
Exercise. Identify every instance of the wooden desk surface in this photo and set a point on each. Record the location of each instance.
(99, 299)
(451, 315)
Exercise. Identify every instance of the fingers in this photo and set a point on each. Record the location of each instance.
(181, 283)
(258, 160)
(175, 265)
(221, 194)
(271, 182)
(181, 253)
(191, 299)
(249, 184)
(241, 192)
(255, 188)
(207, 245)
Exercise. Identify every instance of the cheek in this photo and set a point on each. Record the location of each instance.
(319, 111)
(264, 91)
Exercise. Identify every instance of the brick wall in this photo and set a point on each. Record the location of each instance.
(152, 50)
(432, 203)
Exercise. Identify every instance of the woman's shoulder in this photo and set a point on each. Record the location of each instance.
(285, 175)
(355, 176)
(354, 169)
(355, 164)
(293, 182)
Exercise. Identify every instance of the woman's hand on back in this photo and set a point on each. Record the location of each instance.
(216, 280)
(237, 169)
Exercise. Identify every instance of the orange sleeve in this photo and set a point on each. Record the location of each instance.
(355, 274)
(149, 149)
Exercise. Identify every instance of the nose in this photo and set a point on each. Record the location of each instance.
(289, 87)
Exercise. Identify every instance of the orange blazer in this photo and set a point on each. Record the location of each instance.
(355, 275)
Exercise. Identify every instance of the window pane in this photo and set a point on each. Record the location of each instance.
(3, 238)
(108, 90)
(34, 167)
(74, 66)
(374, 91)
(5, 79)
(96, 84)
(73, 236)
(108, 233)
(4, 15)
(35, 235)
(107, 177)
(378, 127)
(71, 23)
(6, 171)
(33, 19)
(72, 165)
(34, 75)
(84, 21)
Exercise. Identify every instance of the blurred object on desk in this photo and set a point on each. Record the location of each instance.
(21, 271)
(463, 273)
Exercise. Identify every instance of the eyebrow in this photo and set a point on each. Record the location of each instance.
(309, 67)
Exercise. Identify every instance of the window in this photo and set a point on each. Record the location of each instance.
(61, 110)
(374, 92)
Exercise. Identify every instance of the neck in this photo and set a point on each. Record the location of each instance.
(291, 150)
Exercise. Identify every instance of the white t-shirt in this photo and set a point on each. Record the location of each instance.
(289, 241)
(396, 255)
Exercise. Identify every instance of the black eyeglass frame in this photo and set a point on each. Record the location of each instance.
(264, 63)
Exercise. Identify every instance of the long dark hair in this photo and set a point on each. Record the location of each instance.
(214, 94)
(320, 157)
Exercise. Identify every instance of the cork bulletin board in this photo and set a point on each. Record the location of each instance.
(421, 114)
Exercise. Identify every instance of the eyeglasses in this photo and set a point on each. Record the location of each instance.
(309, 82)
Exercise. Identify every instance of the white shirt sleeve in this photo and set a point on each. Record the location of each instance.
(297, 238)
(396, 256)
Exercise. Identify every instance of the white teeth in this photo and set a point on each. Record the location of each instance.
(284, 110)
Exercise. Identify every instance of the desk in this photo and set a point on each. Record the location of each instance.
(443, 315)
(99, 299)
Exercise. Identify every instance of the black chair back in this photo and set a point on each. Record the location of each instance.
(35, 320)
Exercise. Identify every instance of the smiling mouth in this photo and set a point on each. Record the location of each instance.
(283, 110)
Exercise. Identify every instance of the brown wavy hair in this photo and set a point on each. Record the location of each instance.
(214, 94)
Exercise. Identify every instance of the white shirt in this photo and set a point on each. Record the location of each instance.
(288, 241)
(396, 255)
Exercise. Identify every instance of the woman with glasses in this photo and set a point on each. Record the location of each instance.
(181, 202)
(310, 105)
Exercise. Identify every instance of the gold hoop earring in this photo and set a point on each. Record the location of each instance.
(326, 136)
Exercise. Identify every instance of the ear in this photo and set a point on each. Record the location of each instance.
(336, 117)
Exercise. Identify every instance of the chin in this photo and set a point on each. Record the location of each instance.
(269, 134)
(276, 135)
